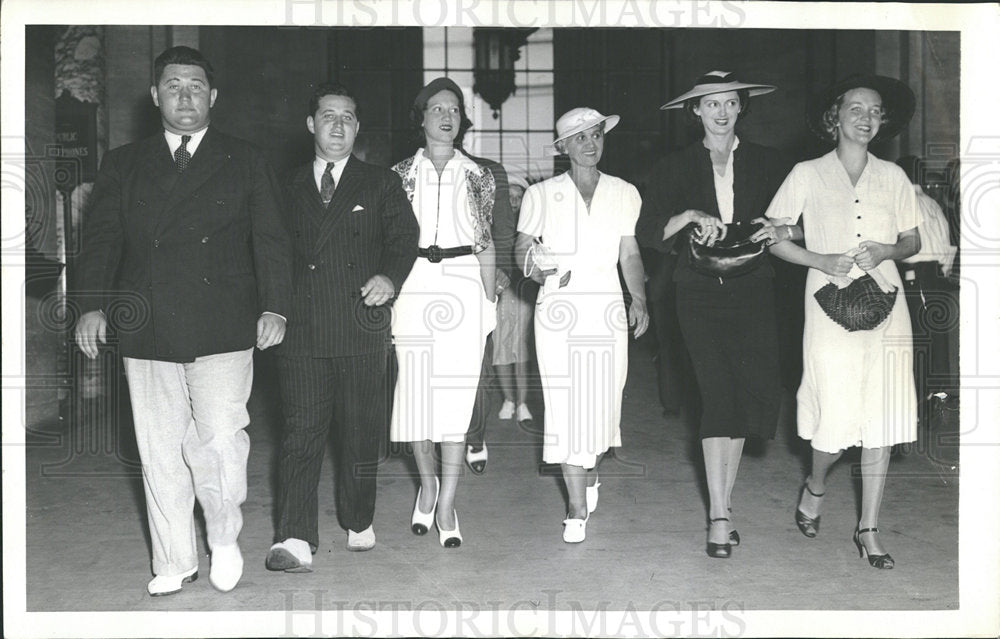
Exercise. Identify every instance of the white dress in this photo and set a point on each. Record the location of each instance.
(581, 330)
(857, 388)
(442, 316)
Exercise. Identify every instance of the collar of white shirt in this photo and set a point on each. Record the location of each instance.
(319, 165)
(174, 141)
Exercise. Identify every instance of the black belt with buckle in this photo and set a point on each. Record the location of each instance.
(435, 253)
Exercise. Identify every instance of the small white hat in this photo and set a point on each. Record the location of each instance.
(581, 119)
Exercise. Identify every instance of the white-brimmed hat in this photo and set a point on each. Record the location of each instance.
(717, 82)
(581, 119)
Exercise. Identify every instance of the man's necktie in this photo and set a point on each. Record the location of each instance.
(182, 157)
(327, 185)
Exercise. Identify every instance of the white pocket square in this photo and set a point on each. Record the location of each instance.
(357, 208)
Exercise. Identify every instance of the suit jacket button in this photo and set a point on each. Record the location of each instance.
(206, 280)
(220, 202)
(156, 243)
(350, 265)
(204, 240)
(312, 267)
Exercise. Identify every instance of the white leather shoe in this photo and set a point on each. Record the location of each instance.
(421, 522)
(227, 567)
(361, 541)
(506, 410)
(592, 496)
(523, 414)
(163, 585)
(449, 538)
(575, 530)
(291, 555)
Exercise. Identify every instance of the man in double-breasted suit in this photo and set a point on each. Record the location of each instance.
(355, 239)
(186, 255)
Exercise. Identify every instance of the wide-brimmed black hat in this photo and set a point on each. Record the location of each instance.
(898, 103)
(717, 82)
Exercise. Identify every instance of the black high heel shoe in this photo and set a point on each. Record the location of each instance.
(719, 551)
(808, 526)
(882, 562)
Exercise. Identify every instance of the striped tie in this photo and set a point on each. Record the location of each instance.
(182, 157)
(327, 185)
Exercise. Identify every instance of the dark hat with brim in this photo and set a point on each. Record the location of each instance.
(898, 103)
(717, 82)
(434, 87)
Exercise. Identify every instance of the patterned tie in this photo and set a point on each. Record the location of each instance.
(326, 184)
(182, 157)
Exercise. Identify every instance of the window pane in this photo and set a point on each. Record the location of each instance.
(459, 48)
(433, 48)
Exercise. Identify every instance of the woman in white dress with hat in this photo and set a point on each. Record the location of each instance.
(585, 219)
(860, 215)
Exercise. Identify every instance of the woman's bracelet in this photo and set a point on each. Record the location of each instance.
(789, 229)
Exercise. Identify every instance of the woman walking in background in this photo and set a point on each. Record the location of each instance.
(515, 312)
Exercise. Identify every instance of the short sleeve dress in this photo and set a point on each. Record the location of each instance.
(442, 316)
(581, 330)
(857, 388)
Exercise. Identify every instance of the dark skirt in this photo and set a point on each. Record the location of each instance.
(729, 329)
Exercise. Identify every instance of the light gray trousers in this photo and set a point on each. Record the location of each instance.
(189, 420)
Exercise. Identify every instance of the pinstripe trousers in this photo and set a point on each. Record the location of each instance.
(349, 398)
(189, 420)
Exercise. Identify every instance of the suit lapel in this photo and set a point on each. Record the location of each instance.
(158, 165)
(306, 197)
(157, 169)
(707, 181)
(743, 187)
(344, 199)
(209, 158)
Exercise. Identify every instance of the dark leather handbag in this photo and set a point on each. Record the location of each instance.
(733, 256)
(860, 306)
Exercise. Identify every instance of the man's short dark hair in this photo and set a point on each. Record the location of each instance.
(332, 88)
(182, 55)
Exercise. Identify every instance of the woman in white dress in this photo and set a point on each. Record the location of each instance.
(859, 214)
(511, 341)
(586, 221)
(446, 306)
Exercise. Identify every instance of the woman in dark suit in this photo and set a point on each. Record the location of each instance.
(727, 324)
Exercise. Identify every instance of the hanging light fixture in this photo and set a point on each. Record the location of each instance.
(497, 50)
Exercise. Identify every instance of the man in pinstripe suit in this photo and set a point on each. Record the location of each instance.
(355, 241)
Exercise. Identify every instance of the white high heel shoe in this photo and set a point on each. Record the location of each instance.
(449, 538)
(421, 522)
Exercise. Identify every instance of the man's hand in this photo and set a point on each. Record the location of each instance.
(270, 330)
(503, 281)
(378, 290)
(91, 328)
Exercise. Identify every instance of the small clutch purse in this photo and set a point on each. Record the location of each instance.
(860, 306)
(735, 255)
(539, 256)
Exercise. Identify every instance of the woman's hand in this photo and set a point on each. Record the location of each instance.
(638, 317)
(710, 228)
(838, 264)
(870, 254)
(774, 231)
